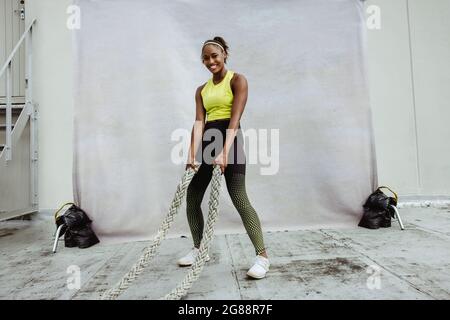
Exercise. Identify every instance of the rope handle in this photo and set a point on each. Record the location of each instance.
(396, 197)
(56, 213)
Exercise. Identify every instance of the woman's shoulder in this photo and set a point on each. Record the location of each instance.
(199, 89)
(238, 78)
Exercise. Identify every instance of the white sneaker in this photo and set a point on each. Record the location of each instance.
(189, 259)
(260, 268)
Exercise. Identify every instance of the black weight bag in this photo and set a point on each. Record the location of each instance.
(377, 210)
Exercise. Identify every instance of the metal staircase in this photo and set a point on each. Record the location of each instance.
(15, 112)
(18, 140)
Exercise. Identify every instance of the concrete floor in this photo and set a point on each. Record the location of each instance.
(309, 264)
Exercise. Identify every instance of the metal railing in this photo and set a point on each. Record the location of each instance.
(28, 111)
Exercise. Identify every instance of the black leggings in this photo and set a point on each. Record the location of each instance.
(235, 180)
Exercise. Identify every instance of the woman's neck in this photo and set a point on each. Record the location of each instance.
(219, 76)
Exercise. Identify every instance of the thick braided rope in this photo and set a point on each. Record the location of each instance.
(197, 267)
(150, 251)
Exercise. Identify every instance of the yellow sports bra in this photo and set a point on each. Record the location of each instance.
(218, 98)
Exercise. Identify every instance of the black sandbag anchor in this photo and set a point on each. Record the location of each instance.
(379, 209)
(75, 225)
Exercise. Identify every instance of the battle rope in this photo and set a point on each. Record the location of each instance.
(196, 268)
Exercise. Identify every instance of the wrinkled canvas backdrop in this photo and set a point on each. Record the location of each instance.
(137, 66)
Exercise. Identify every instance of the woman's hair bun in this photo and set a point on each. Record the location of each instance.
(222, 42)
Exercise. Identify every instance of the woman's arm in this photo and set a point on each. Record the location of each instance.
(198, 127)
(240, 92)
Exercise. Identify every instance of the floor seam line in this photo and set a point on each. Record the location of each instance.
(233, 267)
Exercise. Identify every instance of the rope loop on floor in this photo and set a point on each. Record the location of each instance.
(150, 251)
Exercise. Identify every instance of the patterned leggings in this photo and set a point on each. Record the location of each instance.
(235, 181)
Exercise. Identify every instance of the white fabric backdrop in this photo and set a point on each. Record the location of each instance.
(137, 68)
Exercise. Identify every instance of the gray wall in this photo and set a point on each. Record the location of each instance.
(408, 72)
(52, 72)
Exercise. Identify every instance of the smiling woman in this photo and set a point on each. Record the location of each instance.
(221, 101)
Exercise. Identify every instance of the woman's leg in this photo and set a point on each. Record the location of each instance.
(235, 180)
(194, 197)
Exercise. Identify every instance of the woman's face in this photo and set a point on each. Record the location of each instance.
(213, 58)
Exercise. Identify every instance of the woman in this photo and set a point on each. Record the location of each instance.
(222, 100)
